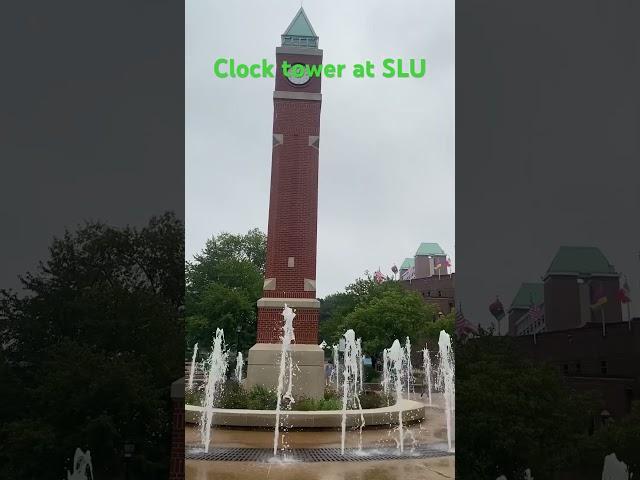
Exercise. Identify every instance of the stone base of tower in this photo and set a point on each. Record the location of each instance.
(263, 365)
(308, 359)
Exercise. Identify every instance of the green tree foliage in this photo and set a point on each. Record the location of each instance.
(517, 414)
(223, 284)
(91, 351)
(381, 313)
(620, 437)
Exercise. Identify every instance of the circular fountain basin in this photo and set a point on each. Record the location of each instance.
(411, 411)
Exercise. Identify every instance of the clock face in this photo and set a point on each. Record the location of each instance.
(296, 80)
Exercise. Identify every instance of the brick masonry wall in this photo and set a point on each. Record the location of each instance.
(305, 325)
(434, 290)
(176, 468)
(293, 206)
(608, 365)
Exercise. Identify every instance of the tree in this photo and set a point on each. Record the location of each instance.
(223, 285)
(91, 351)
(517, 414)
(387, 312)
(381, 313)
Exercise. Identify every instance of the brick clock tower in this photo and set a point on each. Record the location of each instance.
(293, 211)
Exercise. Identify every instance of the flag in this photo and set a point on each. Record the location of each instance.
(448, 262)
(535, 312)
(463, 326)
(394, 269)
(622, 296)
(598, 296)
(378, 276)
(496, 309)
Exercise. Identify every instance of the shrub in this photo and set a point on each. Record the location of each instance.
(375, 400)
(233, 396)
(309, 404)
(371, 375)
(330, 393)
(261, 398)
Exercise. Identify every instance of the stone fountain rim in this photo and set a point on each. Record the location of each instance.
(411, 410)
(402, 405)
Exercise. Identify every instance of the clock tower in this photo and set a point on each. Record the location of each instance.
(290, 276)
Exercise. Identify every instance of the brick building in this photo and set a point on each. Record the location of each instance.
(566, 294)
(429, 260)
(427, 273)
(439, 291)
(569, 334)
(608, 366)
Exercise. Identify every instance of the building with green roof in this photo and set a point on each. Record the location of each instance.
(572, 280)
(584, 261)
(430, 249)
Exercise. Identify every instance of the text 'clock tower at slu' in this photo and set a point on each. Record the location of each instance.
(290, 276)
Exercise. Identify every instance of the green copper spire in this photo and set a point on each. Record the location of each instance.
(300, 33)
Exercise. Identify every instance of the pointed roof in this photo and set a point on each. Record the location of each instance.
(527, 293)
(300, 33)
(300, 26)
(407, 264)
(429, 249)
(580, 260)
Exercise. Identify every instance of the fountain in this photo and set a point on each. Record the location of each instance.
(82, 467)
(426, 362)
(396, 382)
(360, 360)
(352, 384)
(614, 469)
(396, 358)
(409, 368)
(214, 383)
(192, 370)
(385, 371)
(239, 365)
(336, 364)
(446, 378)
(286, 366)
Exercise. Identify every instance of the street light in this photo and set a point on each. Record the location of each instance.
(129, 448)
(238, 330)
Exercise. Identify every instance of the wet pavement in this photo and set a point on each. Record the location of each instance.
(426, 469)
(431, 431)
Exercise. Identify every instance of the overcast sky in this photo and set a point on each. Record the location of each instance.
(547, 142)
(387, 152)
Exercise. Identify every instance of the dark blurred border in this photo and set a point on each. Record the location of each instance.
(547, 201)
(92, 150)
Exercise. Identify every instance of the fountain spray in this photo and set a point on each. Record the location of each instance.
(396, 357)
(426, 361)
(81, 466)
(360, 360)
(351, 382)
(286, 366)
(239, 366)
(446, 378)
(385, 371)
(192, 370)
(336, 364)
(217, 371)
(407, 349)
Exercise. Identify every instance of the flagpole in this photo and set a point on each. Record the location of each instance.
(629, 314)
(604, 334)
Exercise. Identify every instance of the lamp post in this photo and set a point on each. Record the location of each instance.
(238, 330)
(129, 448)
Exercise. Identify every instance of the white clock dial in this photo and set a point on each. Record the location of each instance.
(298, 80)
